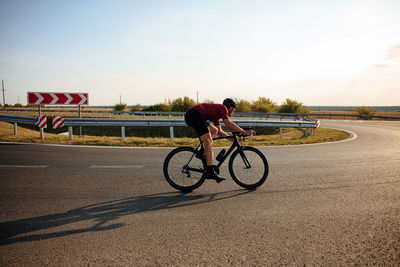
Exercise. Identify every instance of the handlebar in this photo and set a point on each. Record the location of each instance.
(234, 134)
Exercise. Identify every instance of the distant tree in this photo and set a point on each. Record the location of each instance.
(263, 104)
(18, 105)
(363, 110)
(243, 106)
(136, 108)
(182, 104)
(158, 107)
(292, 106)
(119, 107)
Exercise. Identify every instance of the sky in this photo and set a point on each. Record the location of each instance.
(146, 52)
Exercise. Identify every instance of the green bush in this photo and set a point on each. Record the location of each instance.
(119, 107)
(182, 104)
(158, 107)
(367, 111)
(136, 108)
(178, 104)
(292, 106)
(263, 104)
(243, 106)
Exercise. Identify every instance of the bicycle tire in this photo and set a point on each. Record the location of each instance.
(253, 177)
(175, 174)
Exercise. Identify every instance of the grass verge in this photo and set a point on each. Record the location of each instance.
(291, 136)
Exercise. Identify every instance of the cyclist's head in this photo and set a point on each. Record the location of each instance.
(229, 102)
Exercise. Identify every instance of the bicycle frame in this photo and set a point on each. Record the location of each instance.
(234, 145)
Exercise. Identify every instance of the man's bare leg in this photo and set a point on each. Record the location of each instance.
(208, 151)
(209, 155)
(207, 140)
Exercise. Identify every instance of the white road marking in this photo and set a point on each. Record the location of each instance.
(116, 167)
(24, 166)
(88, 146)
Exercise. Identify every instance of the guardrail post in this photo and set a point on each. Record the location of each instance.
(80, 127)
(280, 133)
(70, 132)
(41, 130)
(123, 133)
(15, 128)
(306, 132)
(171, 132)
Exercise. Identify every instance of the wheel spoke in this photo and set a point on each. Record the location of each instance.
(249, 168)
(182, 170)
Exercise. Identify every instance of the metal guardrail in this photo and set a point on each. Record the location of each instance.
(18, 119)
(237, 114)
(70, 122)
(180, 122)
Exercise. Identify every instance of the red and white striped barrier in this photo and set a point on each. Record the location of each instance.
(316, 124)
(41, 121)
(58, 122)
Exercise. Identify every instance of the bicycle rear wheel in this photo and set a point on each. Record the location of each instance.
(249, 171)
(183, 170)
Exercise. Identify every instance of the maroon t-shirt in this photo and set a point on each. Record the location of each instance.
(213, 112)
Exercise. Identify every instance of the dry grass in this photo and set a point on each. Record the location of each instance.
(45, 111)
(290, 136)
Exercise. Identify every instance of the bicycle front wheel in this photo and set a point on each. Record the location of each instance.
(183, 170)
(250, 169)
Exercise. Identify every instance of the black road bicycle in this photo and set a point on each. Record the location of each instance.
(184, 167)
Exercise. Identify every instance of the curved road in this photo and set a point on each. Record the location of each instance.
(328, 204)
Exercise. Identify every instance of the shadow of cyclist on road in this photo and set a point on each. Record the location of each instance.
(101, 214)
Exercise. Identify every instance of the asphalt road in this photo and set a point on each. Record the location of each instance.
(329, 204)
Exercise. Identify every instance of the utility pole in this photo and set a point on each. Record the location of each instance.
(197, 97)
(4, 96)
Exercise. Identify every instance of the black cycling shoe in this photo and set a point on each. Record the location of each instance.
(214, 176)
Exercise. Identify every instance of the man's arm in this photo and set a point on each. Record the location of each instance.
(220, 131)
(231, 125)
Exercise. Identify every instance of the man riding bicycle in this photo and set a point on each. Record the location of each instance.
(198, 117)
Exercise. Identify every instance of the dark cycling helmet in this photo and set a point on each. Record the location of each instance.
(229, 102)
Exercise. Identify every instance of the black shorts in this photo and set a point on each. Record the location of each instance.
(194, 119)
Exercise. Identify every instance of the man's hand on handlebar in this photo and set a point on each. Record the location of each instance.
(249, 132)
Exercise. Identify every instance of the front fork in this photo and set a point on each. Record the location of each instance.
(244, 158)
